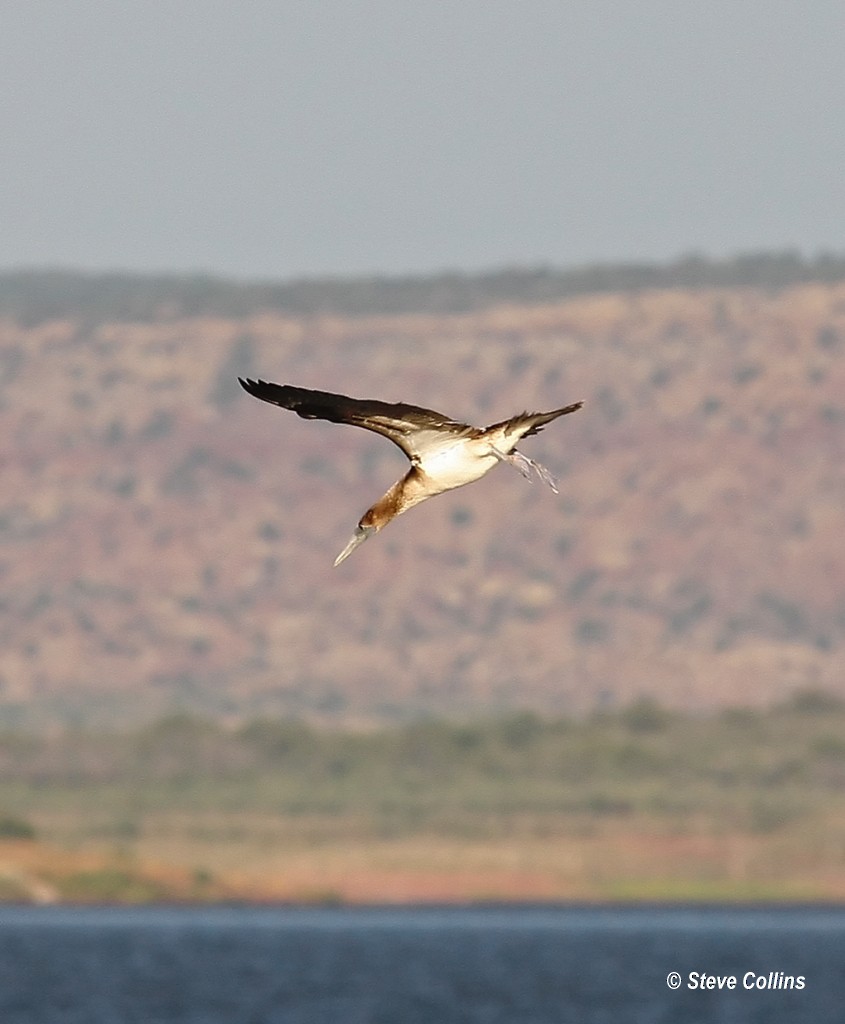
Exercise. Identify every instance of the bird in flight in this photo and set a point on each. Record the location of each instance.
(443, 453)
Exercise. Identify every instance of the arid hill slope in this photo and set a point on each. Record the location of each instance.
(167, 542)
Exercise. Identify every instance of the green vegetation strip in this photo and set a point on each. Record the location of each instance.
(746, 770)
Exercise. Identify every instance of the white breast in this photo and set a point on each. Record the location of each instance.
(458, 465)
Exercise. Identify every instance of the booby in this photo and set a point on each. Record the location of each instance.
(443, 453)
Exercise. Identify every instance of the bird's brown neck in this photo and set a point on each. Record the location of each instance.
(404, 494)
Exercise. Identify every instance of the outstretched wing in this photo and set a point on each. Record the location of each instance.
(415, 430)
(528, 423)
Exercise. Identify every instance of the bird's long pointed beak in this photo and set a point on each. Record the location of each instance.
(358, 537)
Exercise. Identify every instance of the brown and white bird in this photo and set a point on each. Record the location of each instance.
(444, 454)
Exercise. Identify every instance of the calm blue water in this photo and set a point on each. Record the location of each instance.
(403, 966)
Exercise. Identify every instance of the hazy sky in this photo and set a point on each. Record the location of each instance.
(306, 137)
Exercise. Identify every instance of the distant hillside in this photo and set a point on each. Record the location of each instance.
(166, 541)
(33, 296)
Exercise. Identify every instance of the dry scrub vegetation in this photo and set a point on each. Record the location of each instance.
(640, 804)
(166, 542)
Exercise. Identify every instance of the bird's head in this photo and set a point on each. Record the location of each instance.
(358, 537)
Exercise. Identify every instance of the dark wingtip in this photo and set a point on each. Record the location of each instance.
(250, 386)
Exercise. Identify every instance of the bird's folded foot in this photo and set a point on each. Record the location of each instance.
(524, 464)
(544, 474)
